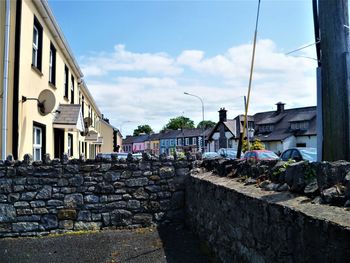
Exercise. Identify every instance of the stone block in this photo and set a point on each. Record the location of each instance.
(25, 227)
(73, 200)
(78, 226)
(66, 224)
(133, 204)
(64, 214)
(40, 210)
(92, 199)
(45, 193)
(76, 180)
(140, 194)
(5, 186)
(49, 222)
(111, 176)
(120, 217)
(136, 182)
(166, 172)
(84, 216)
(21, 204)
(55, 203)
(7, 213)
(13, 197)
(143, 219)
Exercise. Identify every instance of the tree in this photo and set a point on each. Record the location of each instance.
(180, 122)
(206, 124)
(143, 129)
(256, 144)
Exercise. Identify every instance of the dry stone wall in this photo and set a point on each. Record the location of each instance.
(54, 196)
(243, 223)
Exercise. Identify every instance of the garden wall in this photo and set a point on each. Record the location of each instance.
(53, 197)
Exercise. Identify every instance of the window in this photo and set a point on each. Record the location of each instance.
(172, 142)
(66, 74)
(52, 65)
(187, 141)
(82, 105)
(179, 141)
(37, 143)
(70, 144)
(194, 141)
(302, 125)
(37, 44)
(266, 128)
(72, 91)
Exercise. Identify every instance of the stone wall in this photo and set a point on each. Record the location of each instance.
(54, 197)
(242, 223)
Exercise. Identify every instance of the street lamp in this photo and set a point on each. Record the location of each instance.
(203, 140)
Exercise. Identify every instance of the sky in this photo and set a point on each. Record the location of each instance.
(139, 57)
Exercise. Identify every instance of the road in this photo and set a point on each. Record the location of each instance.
(153, 245)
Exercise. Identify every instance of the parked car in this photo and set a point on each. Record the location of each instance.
(300, 154)
(108, 156)
(227, 153)
(260, 155)
(137, 155)
(210, 155)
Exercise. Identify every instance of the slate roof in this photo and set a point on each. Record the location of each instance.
(154, 137)
(129, 139)
(68, 114)
(281, 129)
(141, 138)
(169, 134)
(190, 133)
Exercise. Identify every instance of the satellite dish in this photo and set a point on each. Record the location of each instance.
(46, 102)
(87, 122)
(84, 133)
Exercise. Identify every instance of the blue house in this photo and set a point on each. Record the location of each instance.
(168, 140)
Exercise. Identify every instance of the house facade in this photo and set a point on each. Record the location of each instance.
(46, 107)
(168, 140)
(189, 140)
(286, 128)
(278, 130)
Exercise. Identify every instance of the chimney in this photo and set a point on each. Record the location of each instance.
(222, 115)
(280, 107)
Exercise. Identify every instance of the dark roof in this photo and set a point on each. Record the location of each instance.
(68, 114)
(129, 139)
(169, 134)
(281, 128)
(154, 136)
(190, 133)
(141, 138)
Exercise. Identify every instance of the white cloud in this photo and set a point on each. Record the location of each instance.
(147, 88)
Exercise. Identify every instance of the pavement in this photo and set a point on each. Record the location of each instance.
(153, 245)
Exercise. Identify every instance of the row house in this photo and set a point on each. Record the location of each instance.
(278, 130)
(46, 106)
(168, 142)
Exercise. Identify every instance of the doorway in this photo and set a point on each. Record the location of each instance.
(58, 142)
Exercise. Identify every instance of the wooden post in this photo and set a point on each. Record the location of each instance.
(333, 15)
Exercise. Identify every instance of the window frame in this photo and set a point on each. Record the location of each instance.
(52, 65)
(72, 89)
(36, 145)
(66, 80)
(37, 45)
(70, 145)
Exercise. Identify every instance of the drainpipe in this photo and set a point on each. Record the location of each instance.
(5, 81)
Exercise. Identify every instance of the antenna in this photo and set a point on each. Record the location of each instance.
(46, 101)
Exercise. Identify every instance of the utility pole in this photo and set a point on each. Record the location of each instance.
(333, 15)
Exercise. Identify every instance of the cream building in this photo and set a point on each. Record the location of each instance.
(45, 105)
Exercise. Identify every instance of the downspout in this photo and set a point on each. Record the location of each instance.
(5, 81)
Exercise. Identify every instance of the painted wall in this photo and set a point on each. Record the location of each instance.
(32, 82)
(107, 134)
(138, 147)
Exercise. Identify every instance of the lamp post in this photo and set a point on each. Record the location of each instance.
(203, 140)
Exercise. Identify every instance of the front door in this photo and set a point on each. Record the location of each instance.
(59, 142)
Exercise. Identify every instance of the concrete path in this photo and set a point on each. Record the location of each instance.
(144, 245)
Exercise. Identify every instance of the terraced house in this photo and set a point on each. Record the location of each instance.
(46, 107)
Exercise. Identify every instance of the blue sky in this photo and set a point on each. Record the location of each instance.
(138, 57)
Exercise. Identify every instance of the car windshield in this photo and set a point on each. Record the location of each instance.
(267, 155)
(309, 154)
(231, 153)
(122, 155)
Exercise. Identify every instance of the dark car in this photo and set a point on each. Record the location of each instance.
(228, 153)
(300, 154)
(259, 155)
(108, 156)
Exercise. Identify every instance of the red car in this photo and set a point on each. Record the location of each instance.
(260, 155)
